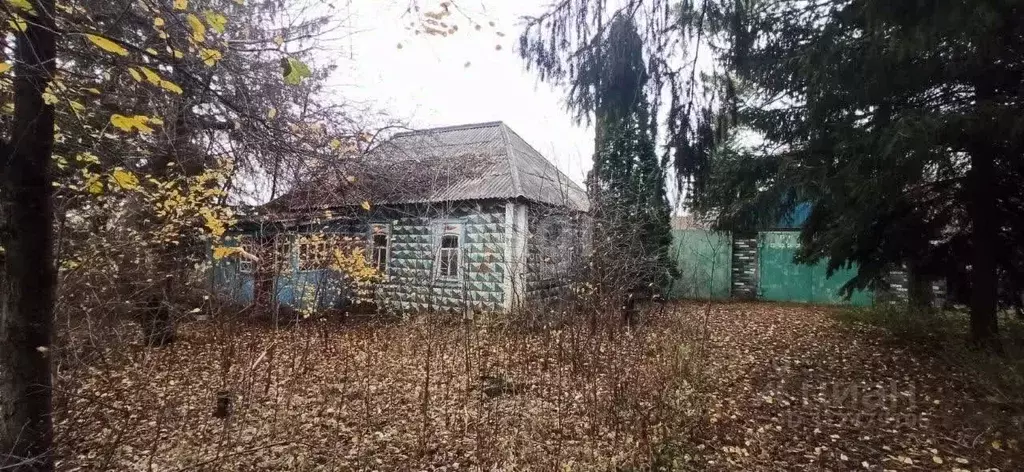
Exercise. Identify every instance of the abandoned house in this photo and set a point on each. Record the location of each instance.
(462, 218)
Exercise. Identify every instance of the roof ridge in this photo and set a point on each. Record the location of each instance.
(517, 186)
(486, 124)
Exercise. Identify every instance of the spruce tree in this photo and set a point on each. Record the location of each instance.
(628, 182)
(901, 124)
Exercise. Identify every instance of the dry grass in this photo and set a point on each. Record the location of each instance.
(766, 387)
(404, 396)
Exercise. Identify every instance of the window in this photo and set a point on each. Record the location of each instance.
(379, 248)
(245, 264)
(448, 256)
(315, 251)
(283, 254)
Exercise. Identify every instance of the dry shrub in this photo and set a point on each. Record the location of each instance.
(424, 392)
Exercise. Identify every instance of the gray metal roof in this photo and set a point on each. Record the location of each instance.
(482, 161)
(467, 162)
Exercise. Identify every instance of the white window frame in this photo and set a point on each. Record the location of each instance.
(443, 229)
(380, 230)
(245, 265)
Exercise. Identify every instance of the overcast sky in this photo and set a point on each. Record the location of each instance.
(427, 82)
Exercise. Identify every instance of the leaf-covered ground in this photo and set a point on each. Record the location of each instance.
(800, 391)
(777, 388)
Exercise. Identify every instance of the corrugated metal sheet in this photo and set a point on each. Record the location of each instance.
(704, 261)
(468, 162)
(538, 178)
(781, 279)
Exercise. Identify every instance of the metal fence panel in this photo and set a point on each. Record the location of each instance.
(704, 261)
(780, 279)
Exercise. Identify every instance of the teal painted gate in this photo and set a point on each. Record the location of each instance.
(780, 279)
(703, 259)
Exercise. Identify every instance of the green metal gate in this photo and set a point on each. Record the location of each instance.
(703, 259)
(780, 279)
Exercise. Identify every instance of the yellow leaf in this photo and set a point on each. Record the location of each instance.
(18, 23)
(22, 5)
(215, 20)
(92, 182)
(4, 67)
(937, 459)
(151, 51)
(156, 120)
(178, 54)
(151, 76)
(125, 179)
(180, 4)
(198, 28)
(170, 86)
(135, 74)
(87, 158)
(107, 45)
(158, 22)
(997, 444)
(129, 123)
(77, 106)
(366, 205)
(334, 144)
(210, 56)
(94, 91)
(49, 98)
(221, 252)
(215, 226)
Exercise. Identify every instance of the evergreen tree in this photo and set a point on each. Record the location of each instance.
(628, 182)
(901, 124)
(899, 121)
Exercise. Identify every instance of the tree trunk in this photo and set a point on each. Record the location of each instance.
(29, 277)
(984, 278)
(158, 323)
(919, 290)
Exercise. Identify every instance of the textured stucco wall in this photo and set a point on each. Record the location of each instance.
(411, 282)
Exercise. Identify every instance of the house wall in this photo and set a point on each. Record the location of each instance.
(288, 284)
(554, 250)
(412, 283)
(480, 286)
